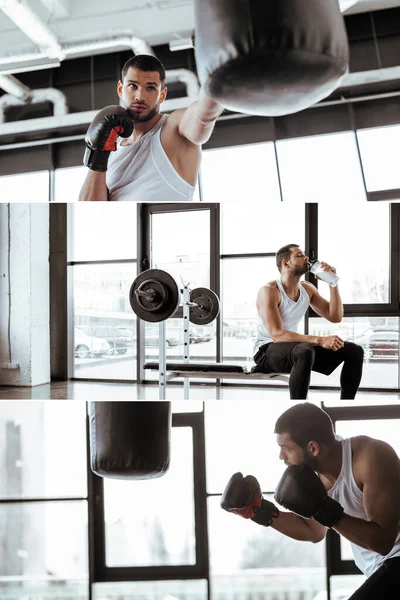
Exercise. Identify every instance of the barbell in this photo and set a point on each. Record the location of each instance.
(155, 296)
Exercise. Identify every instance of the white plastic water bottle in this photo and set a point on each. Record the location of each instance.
(328, 276)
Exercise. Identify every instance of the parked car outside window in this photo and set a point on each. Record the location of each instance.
(380, 344)
(87, 346)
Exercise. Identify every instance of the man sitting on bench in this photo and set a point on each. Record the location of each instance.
(279, 348)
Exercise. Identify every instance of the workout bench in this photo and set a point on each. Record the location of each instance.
(187, 371)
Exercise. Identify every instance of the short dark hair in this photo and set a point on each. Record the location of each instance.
(305, 422)
(144, 62)
(284, 253)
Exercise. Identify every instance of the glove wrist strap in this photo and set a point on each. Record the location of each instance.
(265, 513)
(329, 513)
(96, 160)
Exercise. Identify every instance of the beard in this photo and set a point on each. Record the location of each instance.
(309, 461)
(299, 271)
(138, 117)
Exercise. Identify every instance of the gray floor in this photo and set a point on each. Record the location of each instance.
(83, 390)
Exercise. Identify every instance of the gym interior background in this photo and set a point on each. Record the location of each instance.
(327, 178)
(70, 319)
(68, 534)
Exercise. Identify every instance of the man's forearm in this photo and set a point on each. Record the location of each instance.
(291, 336)
(366, 534)
(94, 188)
(335, 305)
(297, 528)
(199, 119)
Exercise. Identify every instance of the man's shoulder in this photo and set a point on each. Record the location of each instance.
(271, 287)
(171, 129)
(367, 450)
(173, 119)
(307, 285)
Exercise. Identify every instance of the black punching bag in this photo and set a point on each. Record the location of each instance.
(130, 440)
(270, 57)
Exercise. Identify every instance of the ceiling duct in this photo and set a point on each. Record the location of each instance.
(13, 63)
(12, 86)
(33, 27)
(188, 78)
(19, 94)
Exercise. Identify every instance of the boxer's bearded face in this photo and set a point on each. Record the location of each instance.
(293, 454)
(141, 94)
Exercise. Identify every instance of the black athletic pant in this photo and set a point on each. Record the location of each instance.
(384, 584)
(299, 359)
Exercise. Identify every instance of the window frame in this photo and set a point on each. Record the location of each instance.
(144, 254)
(200, 570)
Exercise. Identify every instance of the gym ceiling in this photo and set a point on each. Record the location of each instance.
(50, 88)
(71, 22)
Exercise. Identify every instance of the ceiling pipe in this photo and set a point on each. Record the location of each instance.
(187, 77)
(12, 86)
(99, 43)
(55, 97)
(33, 27)
(77, 49)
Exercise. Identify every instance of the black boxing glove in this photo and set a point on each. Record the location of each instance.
(301, 491)
(243, 497)
(101, 137)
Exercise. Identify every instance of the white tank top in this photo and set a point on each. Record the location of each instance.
(347, 492)
(291, 314)
(142, 171)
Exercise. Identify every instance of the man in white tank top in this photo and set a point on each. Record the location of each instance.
(351, 486)
(157, 157)
(279, 348)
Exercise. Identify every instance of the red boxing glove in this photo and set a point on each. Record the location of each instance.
(101, 137)
(243, 497)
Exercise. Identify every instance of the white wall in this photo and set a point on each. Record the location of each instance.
(30, 309)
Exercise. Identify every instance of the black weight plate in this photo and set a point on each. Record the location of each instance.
(157, 294)
(148, 311)
(208, 308)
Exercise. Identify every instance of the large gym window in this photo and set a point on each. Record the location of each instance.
(151, 590)
(153, 529)
(145, 523)
(248, 263)
(245, 174)
(43, 500)
(180, 243)
(102, 266)
(379, 338)
(263, 228)
(104, 324)
(25, 187)
(68, 183)
(357, 243)
(324, 169)
(181, 240)
(379, 152)
(241, 280)
(103, 231)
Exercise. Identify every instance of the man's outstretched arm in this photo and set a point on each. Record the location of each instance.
(197, 121)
